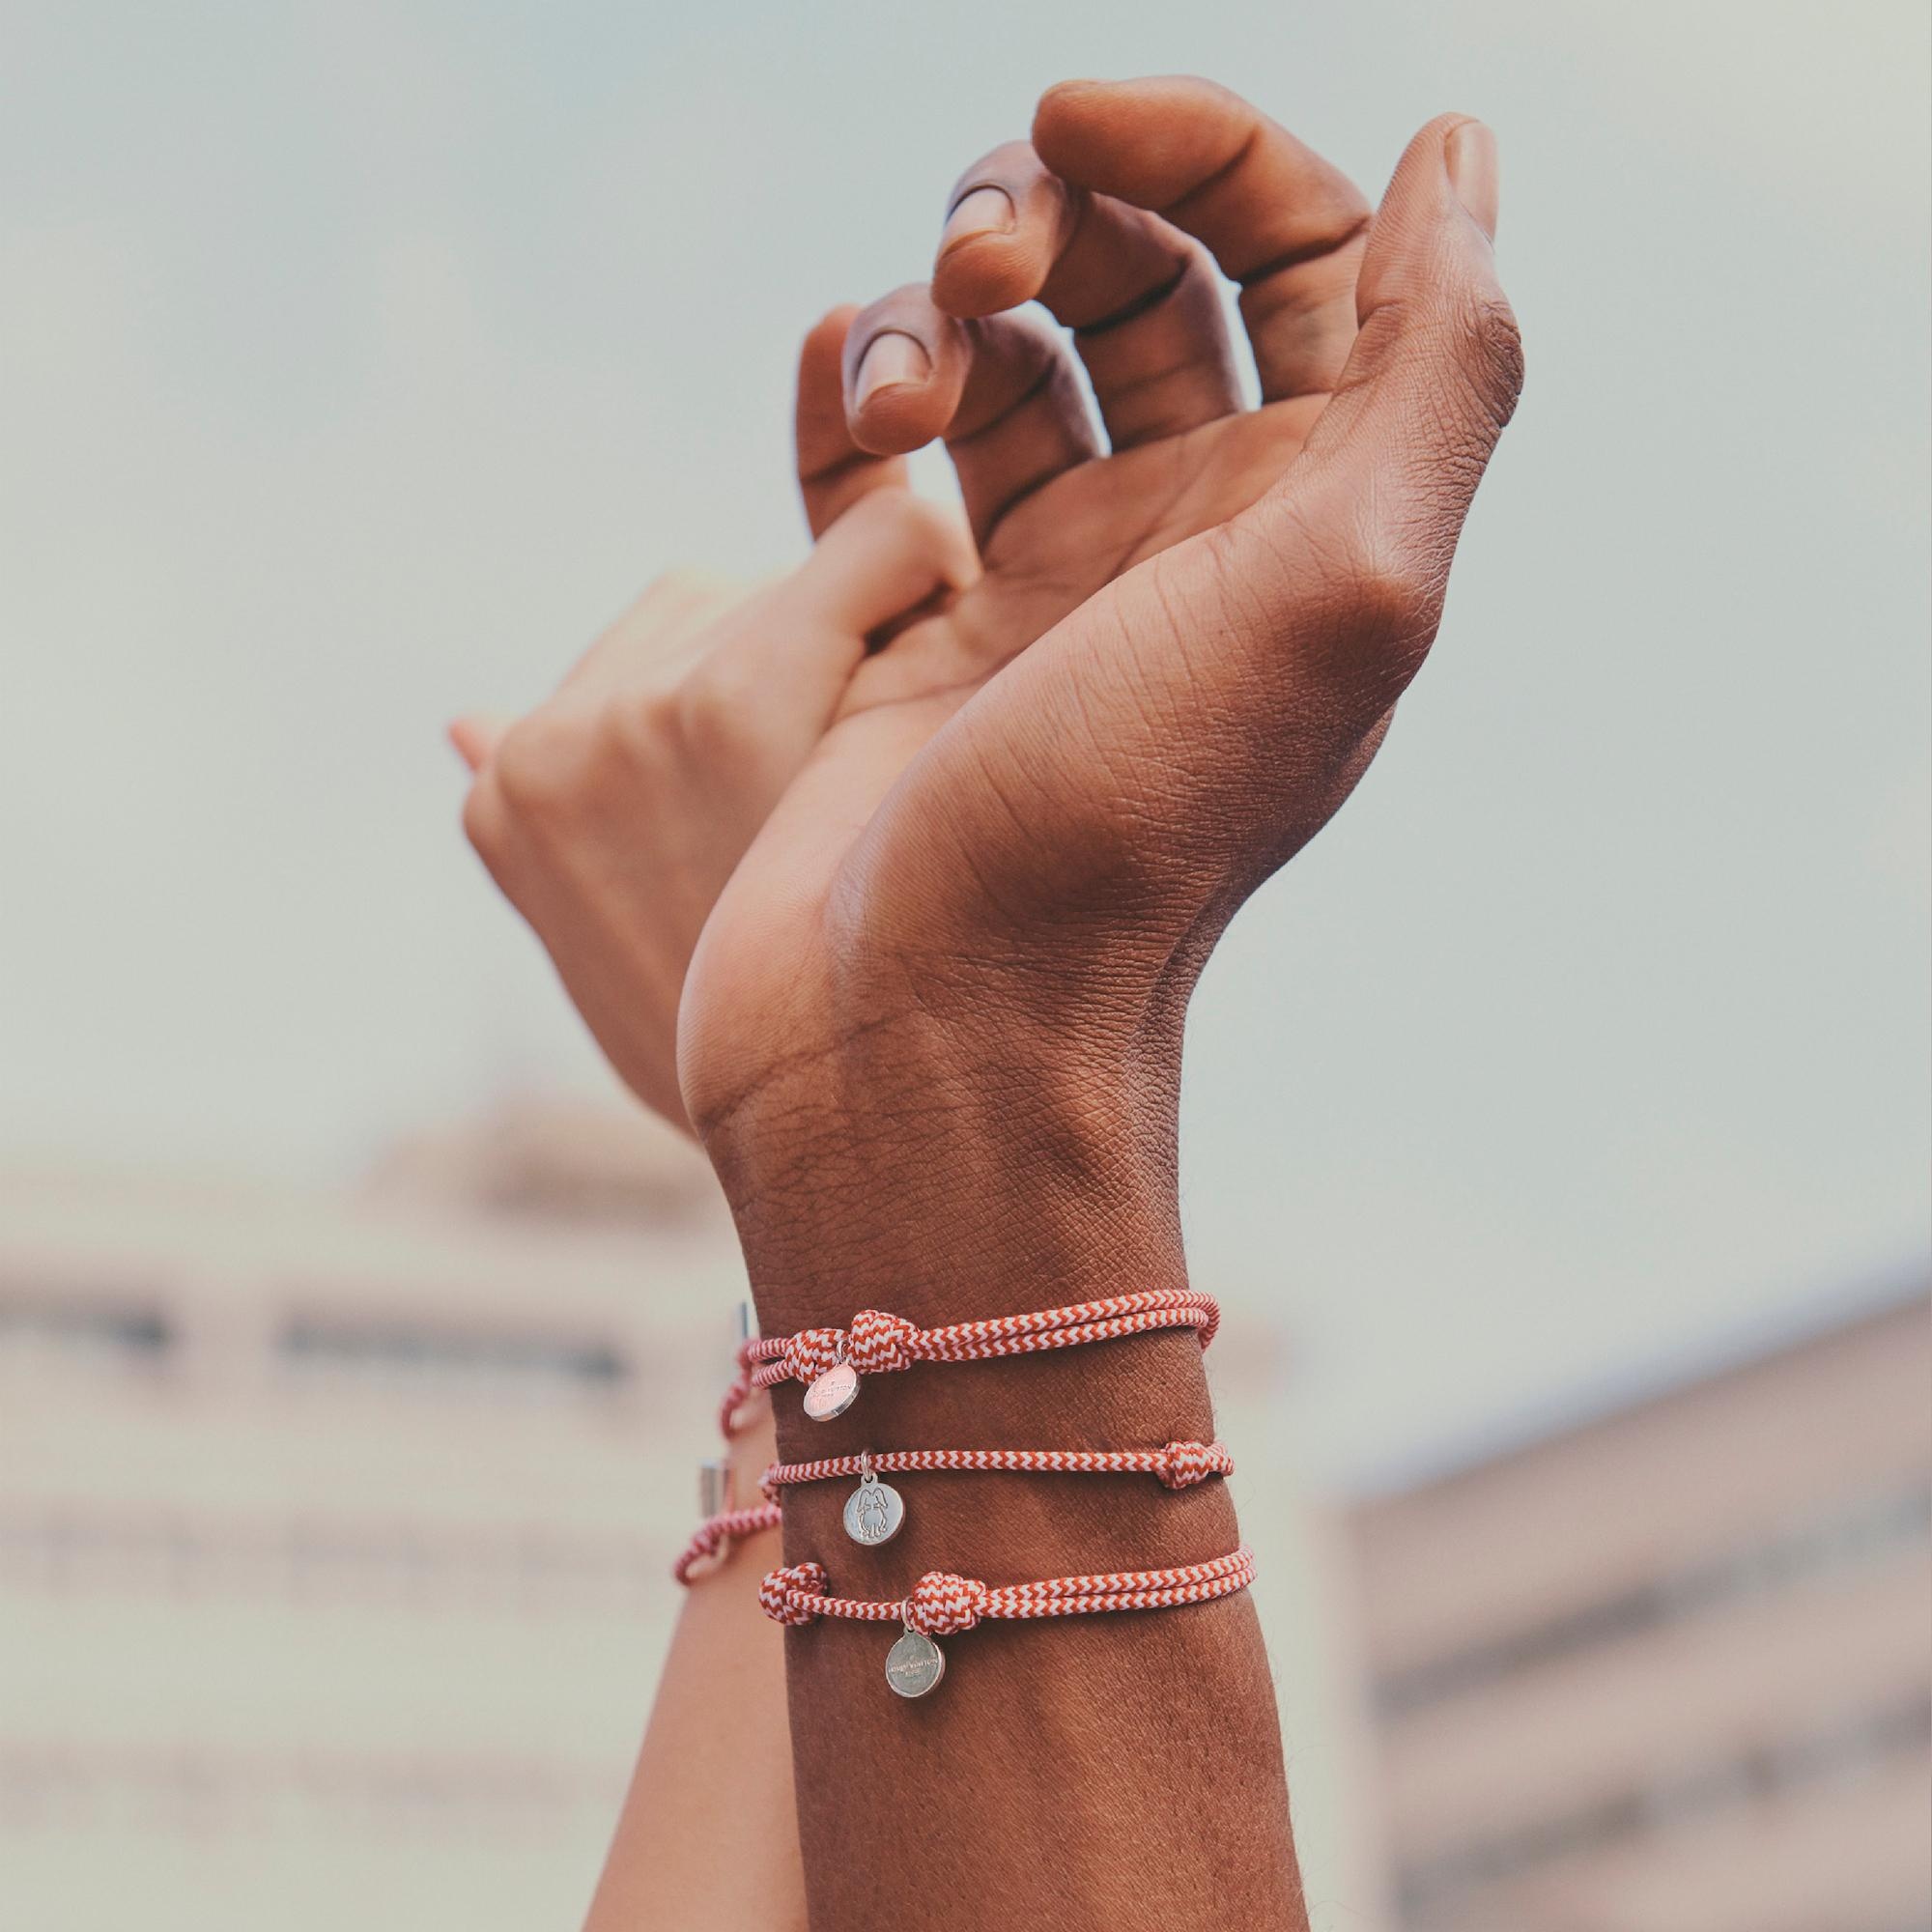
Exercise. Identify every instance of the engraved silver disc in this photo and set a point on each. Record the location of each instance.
(873, 1512)
(913, 1664)
(833, 1393)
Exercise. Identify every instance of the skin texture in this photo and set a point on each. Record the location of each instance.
(930, 1031)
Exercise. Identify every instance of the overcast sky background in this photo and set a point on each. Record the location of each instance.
(357, 360)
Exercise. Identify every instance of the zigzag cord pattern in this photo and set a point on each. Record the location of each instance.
(878, 1343)
(1179, 1465)
(941, 1603)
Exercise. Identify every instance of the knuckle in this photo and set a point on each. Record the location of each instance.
(1470, 337)
(1385, 577)
(483, 821)
(540, 765)
(640, 736)
(1492, 341)
(711, 706)
(1395, 601)
(648, 723)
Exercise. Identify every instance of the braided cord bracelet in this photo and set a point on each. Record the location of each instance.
(875, 1512)
(942, 1604)
(715, 1533)
(831, 1360)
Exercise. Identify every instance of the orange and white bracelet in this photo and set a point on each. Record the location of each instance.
(942, 1604)
(875, 1512)
(831, 1360)
(717, 1533)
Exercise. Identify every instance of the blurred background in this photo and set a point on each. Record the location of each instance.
(1556, 1128)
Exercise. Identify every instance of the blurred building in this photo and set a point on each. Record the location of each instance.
(335, 1529)
(1668, 1671)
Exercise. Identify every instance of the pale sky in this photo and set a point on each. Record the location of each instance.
(357, 360)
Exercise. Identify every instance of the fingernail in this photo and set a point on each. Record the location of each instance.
(1471, 156)
(987, 210)
(890, 359)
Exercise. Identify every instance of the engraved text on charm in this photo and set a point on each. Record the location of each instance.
(833, 1393)
(915, 1664)
(874, 1511)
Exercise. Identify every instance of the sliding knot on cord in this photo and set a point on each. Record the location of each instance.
(878, 1343)
(781, 1591)
(1182, 1464)
(875, 1344)
(941, 1603)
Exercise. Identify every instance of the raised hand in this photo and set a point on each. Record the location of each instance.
(1047, 798)
(613, 814)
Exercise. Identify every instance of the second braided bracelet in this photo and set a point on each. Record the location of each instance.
(875, 1511)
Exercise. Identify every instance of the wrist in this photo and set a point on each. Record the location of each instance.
(909, 1174)
(949, 1172)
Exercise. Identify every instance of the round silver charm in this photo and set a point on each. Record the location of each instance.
(873, 1512)
(833, 1393)
(913, 1664)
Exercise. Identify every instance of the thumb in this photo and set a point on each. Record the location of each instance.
(1350, 553)
(1436, 370)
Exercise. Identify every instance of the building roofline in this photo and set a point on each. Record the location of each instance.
(1582, 1406)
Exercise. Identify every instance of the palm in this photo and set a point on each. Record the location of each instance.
(1049, 566)
(1064, 543)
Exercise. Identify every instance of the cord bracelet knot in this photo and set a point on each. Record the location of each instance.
(943, 1604)
(1182, 1464)
(875, 1344)
(789, 1595)
(830, 1361)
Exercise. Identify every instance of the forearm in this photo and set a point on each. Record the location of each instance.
(1118, 1770)
(706, 1839)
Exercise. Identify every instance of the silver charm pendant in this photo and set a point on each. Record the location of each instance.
(915, 1664)
(833, 1393)
(874, 1510)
